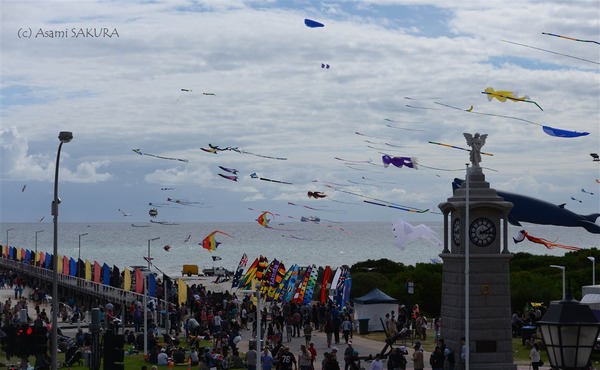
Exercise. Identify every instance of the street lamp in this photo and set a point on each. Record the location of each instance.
(146, 297)
(563, 279)
(64, 137)
(36, 233)
(79, 254)
(258, 348)
(593, 269)
(150, 240)
(569, 331)
(7, 230)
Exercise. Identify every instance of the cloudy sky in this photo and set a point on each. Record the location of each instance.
(113, 74)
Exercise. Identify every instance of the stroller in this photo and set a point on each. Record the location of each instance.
(73, 356)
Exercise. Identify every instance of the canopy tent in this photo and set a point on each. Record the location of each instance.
(374, 306)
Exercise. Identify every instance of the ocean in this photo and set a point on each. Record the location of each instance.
(301, 243)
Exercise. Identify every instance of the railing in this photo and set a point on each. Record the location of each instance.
(107, 292)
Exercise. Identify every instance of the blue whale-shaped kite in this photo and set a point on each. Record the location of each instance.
(537, 211)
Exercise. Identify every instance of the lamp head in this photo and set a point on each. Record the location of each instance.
(65, 136)
(591, 258)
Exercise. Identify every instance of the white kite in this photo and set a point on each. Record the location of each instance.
(405, 233)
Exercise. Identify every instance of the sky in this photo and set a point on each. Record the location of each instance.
(112, 73)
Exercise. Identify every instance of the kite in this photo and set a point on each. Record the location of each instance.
(153, 212)
(587, 192)
(23, 188)
(125, 214)
(570, 38)
(577, 200)
(216, 258)
(597, 181)
(167, 248)
(595, 157)
(230, 170)
(263, 220)
(300, 219)
(537, 211)
(167, 188)
(134, 225)
(503, 95)
(184, 202)
(209, 243)
(456, 147)
(399, 161)
(547, 129)
(212, 94)
(402, 128)
(562, 133)
(522, 235)
(313, 24)
(405, 233)
(255, 176)
(317, 209)
(550, 51)
(138, 151)
(316, 194)
(380, 202)
(325, 66)
(353, 161)
(362, 183)
(215, 149)
(188, 238)
(41, 219)
(229, 177)
(166, 223)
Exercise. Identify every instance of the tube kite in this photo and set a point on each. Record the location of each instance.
(570, 38)
(316, 194)
(209, 243)
(138, 151)
(522, 235)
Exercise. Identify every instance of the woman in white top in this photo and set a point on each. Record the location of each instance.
(534, 355)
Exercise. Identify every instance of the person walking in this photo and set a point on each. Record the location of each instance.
(417, 357)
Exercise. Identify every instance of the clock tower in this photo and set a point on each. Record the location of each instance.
(476, 262)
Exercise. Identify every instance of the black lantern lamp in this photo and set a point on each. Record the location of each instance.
(569, 331)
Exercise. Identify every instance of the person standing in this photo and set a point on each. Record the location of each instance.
(307, 332)
(287, 361)
(266, 359)
(417, 357)
(535, 357)
(346, 328)
(348, 353)
(251, 357)
(376, 364)
(304, 358)
(437, 359)
(397, 360)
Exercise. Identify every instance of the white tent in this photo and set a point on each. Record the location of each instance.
(373, 306)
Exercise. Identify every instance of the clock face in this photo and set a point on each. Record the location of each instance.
(456, 231)
(482, 232)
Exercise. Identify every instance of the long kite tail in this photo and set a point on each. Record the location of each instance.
(570, 38)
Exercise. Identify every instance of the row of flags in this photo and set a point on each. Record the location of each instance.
(295, 284)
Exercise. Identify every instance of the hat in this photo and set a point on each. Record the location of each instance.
(417, 344)
(334, 349)
(349, 342)
(162, 350)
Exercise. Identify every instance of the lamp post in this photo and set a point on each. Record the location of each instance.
(36, 234)
(146, 297)
(258, 348)
(593, 269)
(150, 240)
(569, 331)
(7, 230)
(64, 137)
(563, 279)
(79, 254)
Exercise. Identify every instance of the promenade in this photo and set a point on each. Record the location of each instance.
(364, 346)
